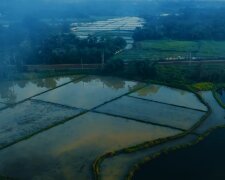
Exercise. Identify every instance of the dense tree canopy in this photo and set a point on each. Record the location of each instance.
(188, 24)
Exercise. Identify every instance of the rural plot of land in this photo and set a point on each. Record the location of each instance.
(153, 112)
(172, 96)
(16, 91)
(89, 92)
(68, 151)
(29, 118)
(173, 50)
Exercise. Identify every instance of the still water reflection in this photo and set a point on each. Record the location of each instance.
(15, 91)
(89, 92)
(205, 160)
(68, 151)
(221, 93)
(171, 96)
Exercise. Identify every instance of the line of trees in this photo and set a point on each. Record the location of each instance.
(188, 24)
(34, 42)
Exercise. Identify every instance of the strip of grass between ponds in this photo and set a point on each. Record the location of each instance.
(97, 163)
(137, 166)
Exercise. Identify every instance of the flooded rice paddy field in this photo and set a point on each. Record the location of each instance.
(68, 151)
(30, 117)
(205, 160)
(221, 93)
(89, 117)
(153, 112)
(16, 91)
(170, 96)
(122, 27)
(217, 116)
(89, 92)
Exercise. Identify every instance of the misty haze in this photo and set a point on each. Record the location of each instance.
(112, 90)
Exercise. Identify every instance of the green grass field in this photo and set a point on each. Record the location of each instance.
(193, 73)
(171, 49)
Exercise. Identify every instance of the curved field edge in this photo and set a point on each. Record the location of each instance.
(216, 96)
(97, 163)
(147, 159)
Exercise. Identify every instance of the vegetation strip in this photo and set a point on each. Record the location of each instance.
(141, 121)
(12, 105)
(99, 160)
(168, 150)
(56, 104)
(184, 107)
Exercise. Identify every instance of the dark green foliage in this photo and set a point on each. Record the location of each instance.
(187, 24)
(113, 66)
(68, 49)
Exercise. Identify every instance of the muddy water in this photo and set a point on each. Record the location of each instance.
(89, 92)
(68, 151)
(171, 96)
(15, 91)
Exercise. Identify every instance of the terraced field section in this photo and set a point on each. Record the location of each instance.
(117, 167)
(59, 133)
(89, 92)
(16, 91)
(68, 151)
(30, 117)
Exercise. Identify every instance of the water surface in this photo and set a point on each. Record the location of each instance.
(217, 116)
(30, 117)
(171, 96)
(153, 112)
(221, 93)
(2, 105)
(205, 160)
(15, 91)
(68, 151)
(89, 92)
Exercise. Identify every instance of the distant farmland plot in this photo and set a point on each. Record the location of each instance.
(171, 49)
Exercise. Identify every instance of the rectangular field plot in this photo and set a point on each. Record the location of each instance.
(68, 151)
(89, 92)
(28, 118)
(16, 91)
(152, 112)
(171, 96)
